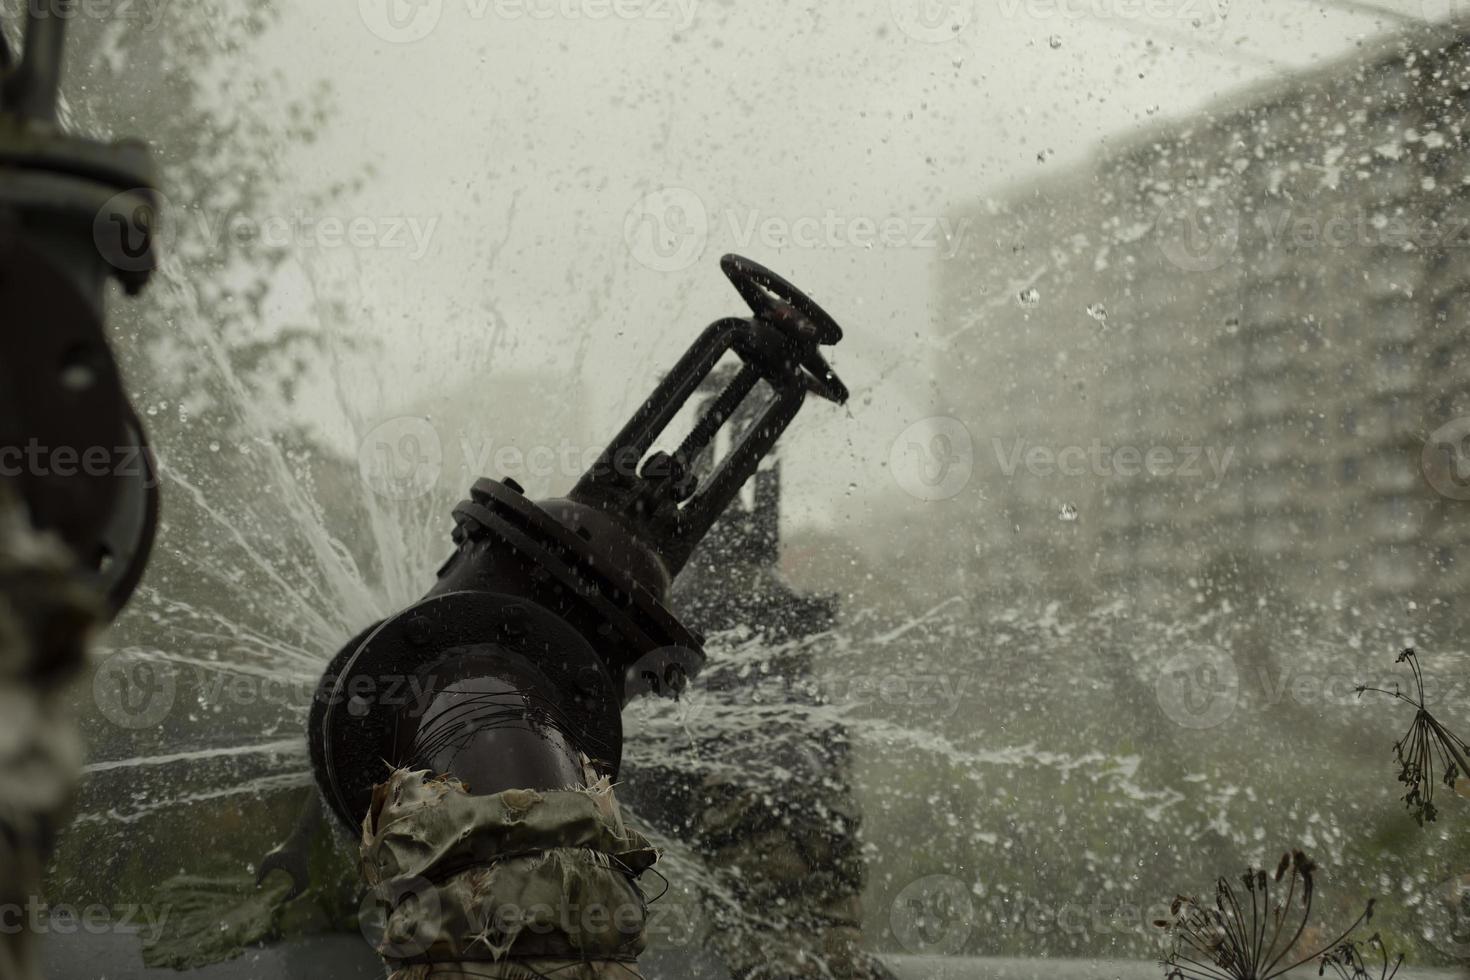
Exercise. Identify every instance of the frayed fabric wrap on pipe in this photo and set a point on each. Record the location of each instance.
(518, 884)
(46, 620)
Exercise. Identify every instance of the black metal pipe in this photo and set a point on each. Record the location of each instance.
(33, 88)
(7, 59)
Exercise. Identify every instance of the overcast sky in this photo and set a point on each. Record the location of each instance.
(570, 171)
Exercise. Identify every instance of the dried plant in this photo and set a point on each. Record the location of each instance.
(1426, 748)
(1239, 936)
(1348, 961)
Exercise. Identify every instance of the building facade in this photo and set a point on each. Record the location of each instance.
(1217, 350)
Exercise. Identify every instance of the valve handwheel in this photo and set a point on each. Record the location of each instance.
(808, 326)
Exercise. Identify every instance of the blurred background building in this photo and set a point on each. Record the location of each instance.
(1248, 322)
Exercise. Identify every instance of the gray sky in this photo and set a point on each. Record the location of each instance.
(524, 137)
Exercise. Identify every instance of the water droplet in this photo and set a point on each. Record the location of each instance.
(214, 447)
